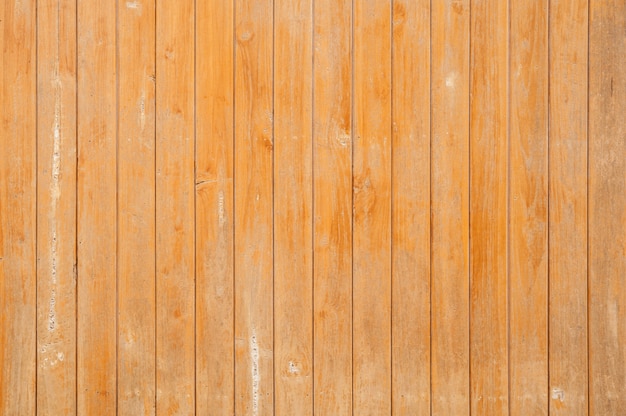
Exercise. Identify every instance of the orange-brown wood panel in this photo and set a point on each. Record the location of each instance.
(18, 215)
(607, 208)
(254, 274)
(136, 209)
(528, 209)
(56, 207)
(293, 213)
(410, 205)
(568, 208)
(372, 208)
(488, 207)
(332, 171)
(175, 209)
(97, 214)
(214, 208)
(450, 377)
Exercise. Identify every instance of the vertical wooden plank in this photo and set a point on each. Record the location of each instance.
(293, 238)
(372, 208)
(450, 377)
(568, 208)
(607, 207)
(175, 210)
(56, 206)
(214, 208)
(528, 209)
(332, 194)
(410, 215)
(136, 208)
(488, 207)
(254, 141)
(18, 171)
(97, 216)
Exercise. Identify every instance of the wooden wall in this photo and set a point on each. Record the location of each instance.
(313, 207)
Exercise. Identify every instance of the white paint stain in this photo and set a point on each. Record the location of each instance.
(220, 208)
(343, 139)
(134, 5)
(293, 368)
(558, 394)
(52, 321)
(55, 193)
(451, 79)
(256, 378)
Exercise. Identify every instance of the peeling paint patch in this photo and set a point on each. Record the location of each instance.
(293, 368)
(256, 378)
(558, 394)
(133, 5)
(220, 208)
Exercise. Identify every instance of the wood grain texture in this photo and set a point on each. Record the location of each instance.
(293, 209)
(254, 273)
(410, 208)
(214, 208)
(332, 170)
(450, 377)
(96, 359)
(312, 207)
(607, 208)
(56, 207)
(372, 208)
(568, 208)
(488, 207)
(528, 209)
(18, 215)
(175, 209)
(136, 367)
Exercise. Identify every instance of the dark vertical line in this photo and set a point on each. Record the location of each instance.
(587, 221)
(352, 132)
(548, 211)
(391, 202)
(508, 207)
(117, 202)
(508, 204)
(156, 274)
(313, 206)
(195, 215)
(76, 202)
(430, 206)
(469, 210)
(273, 141)
(234, 199)
(37, 200)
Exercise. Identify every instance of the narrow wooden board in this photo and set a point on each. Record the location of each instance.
(136, 208)
(215, 376)
(568, 208)
(56, 207)
(97, 216)
(450, 378)
(607, 208)
(528, 209)
(293, 209)
(410, 209)
(254, 141)
(332, 194)
(372, 208)
(175, 208)
(488, 207)
(18, 216)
